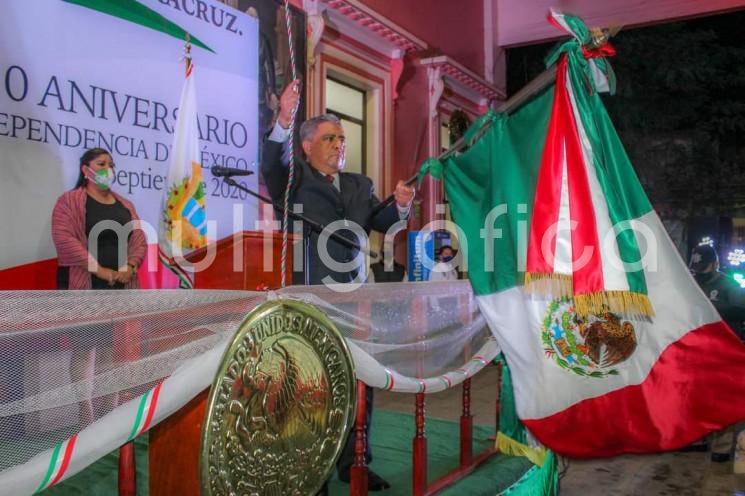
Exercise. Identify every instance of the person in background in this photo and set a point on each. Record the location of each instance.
(386, 268)
(724, 292)
(82, 265)
(729, 300)
(444, 269)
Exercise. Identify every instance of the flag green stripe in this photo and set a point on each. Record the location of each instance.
(138, 419)
(623, 192)
(500, 169)
(50, 469)
(137, 13)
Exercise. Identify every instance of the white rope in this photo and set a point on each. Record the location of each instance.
(291, 144)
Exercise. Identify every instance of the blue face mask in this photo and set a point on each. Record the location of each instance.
(447, 259)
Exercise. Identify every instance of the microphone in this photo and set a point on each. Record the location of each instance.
(219, 171)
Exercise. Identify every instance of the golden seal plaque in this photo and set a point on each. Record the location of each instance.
(281, 405)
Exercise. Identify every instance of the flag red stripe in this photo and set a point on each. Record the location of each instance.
(65, 460)
(554, 22)
(695, 387)
(547, 195)
(588, 276)
(151, 410)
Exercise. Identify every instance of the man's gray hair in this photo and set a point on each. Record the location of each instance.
(308, 128)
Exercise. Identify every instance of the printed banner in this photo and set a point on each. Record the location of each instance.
(78, 74)
(421, 248)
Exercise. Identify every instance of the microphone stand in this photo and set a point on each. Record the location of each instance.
(314, 226)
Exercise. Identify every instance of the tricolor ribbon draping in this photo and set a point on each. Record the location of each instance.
(580, 245)
(606, 50)
(583, 54)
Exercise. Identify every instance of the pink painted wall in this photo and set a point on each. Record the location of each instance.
(522, 21)
(454, 27)
(449, 27)
(410, 118)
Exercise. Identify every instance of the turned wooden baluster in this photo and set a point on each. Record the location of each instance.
(358, 472)
(466, 427)
(127, 470)
(420, 450)
(127, 339)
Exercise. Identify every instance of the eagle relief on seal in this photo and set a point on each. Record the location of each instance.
(590, 346)
(280, 406)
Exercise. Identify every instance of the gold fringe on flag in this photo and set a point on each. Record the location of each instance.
(626, 303)
(621, 302)
(553, 285)
(508, 446)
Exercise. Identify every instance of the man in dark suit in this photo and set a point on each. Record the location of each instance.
(329, 196)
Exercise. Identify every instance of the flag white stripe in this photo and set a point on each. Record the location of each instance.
(563, 252)
(58, 463)
(184, 152)
(601, 81)
(559, 17)
(614, 275)
(184, 149)
(145, 411)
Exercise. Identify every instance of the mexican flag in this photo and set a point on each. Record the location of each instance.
(183, 226)
(612, 346)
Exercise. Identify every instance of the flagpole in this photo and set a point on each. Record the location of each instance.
(177, 173)
(187, 52)
(538, 84)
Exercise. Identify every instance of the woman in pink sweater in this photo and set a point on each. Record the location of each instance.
(99, 246)
(91, 208)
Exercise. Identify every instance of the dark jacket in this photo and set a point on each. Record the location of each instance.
(323, 203)
(395, 273)
(727, 297)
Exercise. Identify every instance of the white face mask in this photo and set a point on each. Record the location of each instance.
(103, 178)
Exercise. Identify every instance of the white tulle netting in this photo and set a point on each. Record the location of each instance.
(77, 363)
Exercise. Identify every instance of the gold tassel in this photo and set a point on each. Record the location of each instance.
(509, 446)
